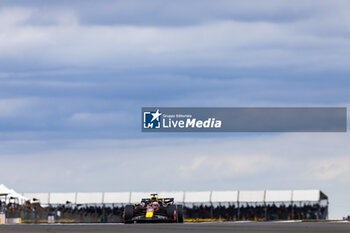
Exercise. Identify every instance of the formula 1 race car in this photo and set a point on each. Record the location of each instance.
(153, 209)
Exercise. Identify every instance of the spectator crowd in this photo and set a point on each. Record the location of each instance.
(257, 212)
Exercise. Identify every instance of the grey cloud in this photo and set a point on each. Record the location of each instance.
(174, 13)
(221, 44)
(109, 105)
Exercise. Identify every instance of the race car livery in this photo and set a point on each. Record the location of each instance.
(153, 209)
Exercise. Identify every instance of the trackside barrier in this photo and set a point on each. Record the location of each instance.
(115, 197)
(224, 196)
(278, 196)
(42, 197)
(14, 220)
(251, 196)
(136, 197)
(2, 219)
(306, 195)
(178, 196)
(197, 197)
(89, 198)
(181, 197)
(62, 198)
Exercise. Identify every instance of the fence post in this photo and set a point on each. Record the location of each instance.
(238, 208)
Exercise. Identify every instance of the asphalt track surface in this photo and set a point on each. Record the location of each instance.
(284, 227)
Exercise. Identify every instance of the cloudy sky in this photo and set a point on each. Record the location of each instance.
(75, 74)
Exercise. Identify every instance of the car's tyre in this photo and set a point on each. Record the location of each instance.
(128, 213)
(180, 215)
(171, 211)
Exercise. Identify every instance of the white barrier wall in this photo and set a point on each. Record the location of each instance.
(306, 195)
(180, 197)
(224, 196)
(13, 221)
(89, 198)
(197, 197)
(42, 197)
(251, 196)
(2, 219)
(137, 196)
(62, 198)
(278, 196)
(114, 197)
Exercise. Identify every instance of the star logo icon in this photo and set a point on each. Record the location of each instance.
(156, 115)
(151, 119)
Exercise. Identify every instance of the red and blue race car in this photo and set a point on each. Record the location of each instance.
(153, 209)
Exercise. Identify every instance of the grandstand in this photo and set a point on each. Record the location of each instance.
(203, 197)
(223, 205)
(203, 205)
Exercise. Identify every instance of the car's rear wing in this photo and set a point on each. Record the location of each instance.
(161, 200)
